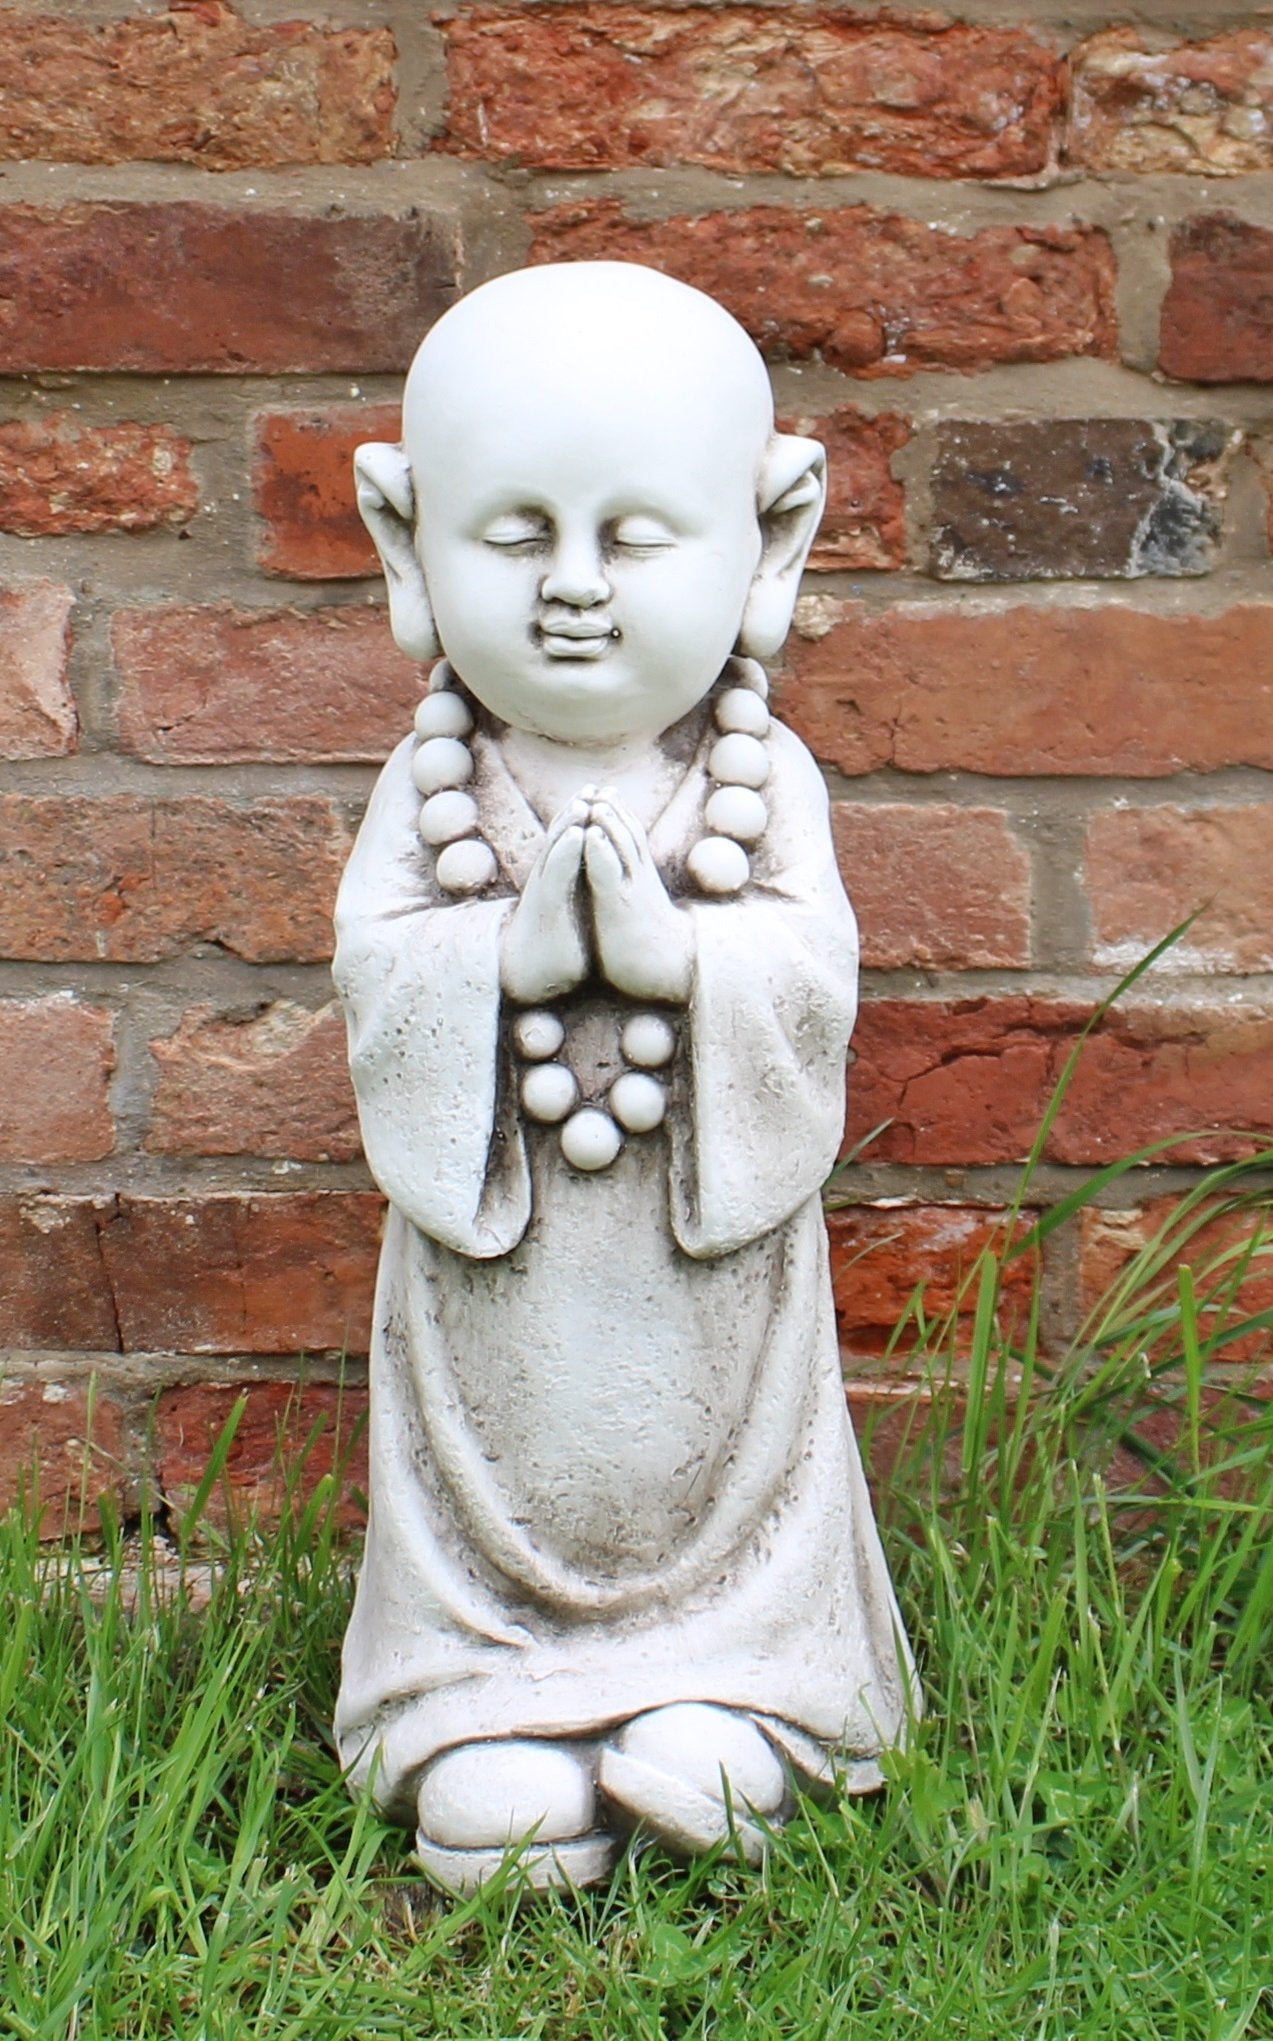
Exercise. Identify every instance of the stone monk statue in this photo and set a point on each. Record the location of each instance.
(600, 975)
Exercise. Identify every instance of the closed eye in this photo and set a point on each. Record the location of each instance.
(517, 530)
(641, 535)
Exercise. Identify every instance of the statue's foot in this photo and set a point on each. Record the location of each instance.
(481, 1799)
(671, 1769)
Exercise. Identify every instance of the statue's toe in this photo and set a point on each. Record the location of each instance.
(480, 1799)
(482, 1795)
(694, 1773)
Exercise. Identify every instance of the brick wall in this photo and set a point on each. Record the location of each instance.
(1014, 265)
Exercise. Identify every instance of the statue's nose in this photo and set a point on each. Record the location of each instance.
(576, 576)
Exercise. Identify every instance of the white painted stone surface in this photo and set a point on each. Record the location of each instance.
(620, 1543)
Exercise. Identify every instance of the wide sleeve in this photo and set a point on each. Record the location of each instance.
(772, 1006)
(419, 980)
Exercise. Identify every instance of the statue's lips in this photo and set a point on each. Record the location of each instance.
(575, 639)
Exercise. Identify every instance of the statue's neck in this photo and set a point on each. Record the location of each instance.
(639, 769)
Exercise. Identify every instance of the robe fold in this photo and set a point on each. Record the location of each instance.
(611, 1466)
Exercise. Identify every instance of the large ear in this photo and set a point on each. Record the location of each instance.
(386, 500)
(791, 494)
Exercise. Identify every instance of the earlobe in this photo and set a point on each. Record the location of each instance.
(791, 493)
(386, 503)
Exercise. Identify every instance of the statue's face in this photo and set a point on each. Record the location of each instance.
(588, 552)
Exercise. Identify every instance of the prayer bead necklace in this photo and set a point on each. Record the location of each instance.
(592, 1137)
(736, 816)
(735, 813)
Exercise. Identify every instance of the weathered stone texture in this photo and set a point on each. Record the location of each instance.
(195, 84)
(1061, 498)
(285, 1273)
(264, 1472)
(1147, 869)
(872, 293)
(1020, 691)
(274, 1083)
(881, 1255)
(1217, 315)
(864, 525)
(972, 909)
(57, 476)
(124, 878)
(303, 489)
(37, 708)
(212, 685)
(968, 1081)
(63, 1442)
(95, 286)
(54, 1291)
(1204, 107)
(808, 91)
(1229, 1279)
(56, 1060)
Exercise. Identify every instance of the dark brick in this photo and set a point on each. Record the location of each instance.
(1112, 498)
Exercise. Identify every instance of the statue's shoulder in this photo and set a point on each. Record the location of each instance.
(794, 773)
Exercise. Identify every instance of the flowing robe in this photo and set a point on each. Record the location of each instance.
(611, 1466)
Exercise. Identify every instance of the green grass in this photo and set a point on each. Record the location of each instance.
(1079, 1842)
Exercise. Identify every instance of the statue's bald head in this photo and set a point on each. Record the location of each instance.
(576, 342)
(591, 435)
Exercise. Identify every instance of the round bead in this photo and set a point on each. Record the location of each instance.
(740, 708)
(739, 761)
(735, 811)
(443, 715)
(648, 1041)
(447, 816)
(750, 673)
(718, 865)
(441, 762)
(468, 866)
(638, 1102)
(538, 1035)
(590, 1139)
(549, 1092)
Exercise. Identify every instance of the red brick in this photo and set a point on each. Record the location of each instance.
(286, 1272)
(56, 1059)
(1217, 315)
(1230, 1284)
(196, 84)
(62, 1441)
(57, 476)
(291, 1436)
(93, 286)
(37, 708)
(130, 880)
(1203, 107)
(54, 1290)
(872, 293)
(275, 1082)
(972, 909)
(881, 1255)
(1146, 869)
(901, 1427)
(1108, 690)
(814, 93)
(864, 524)
(211, 685)
(303, 489)
(968, 1082)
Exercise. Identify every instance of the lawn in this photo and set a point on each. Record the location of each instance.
(1079, 1840)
